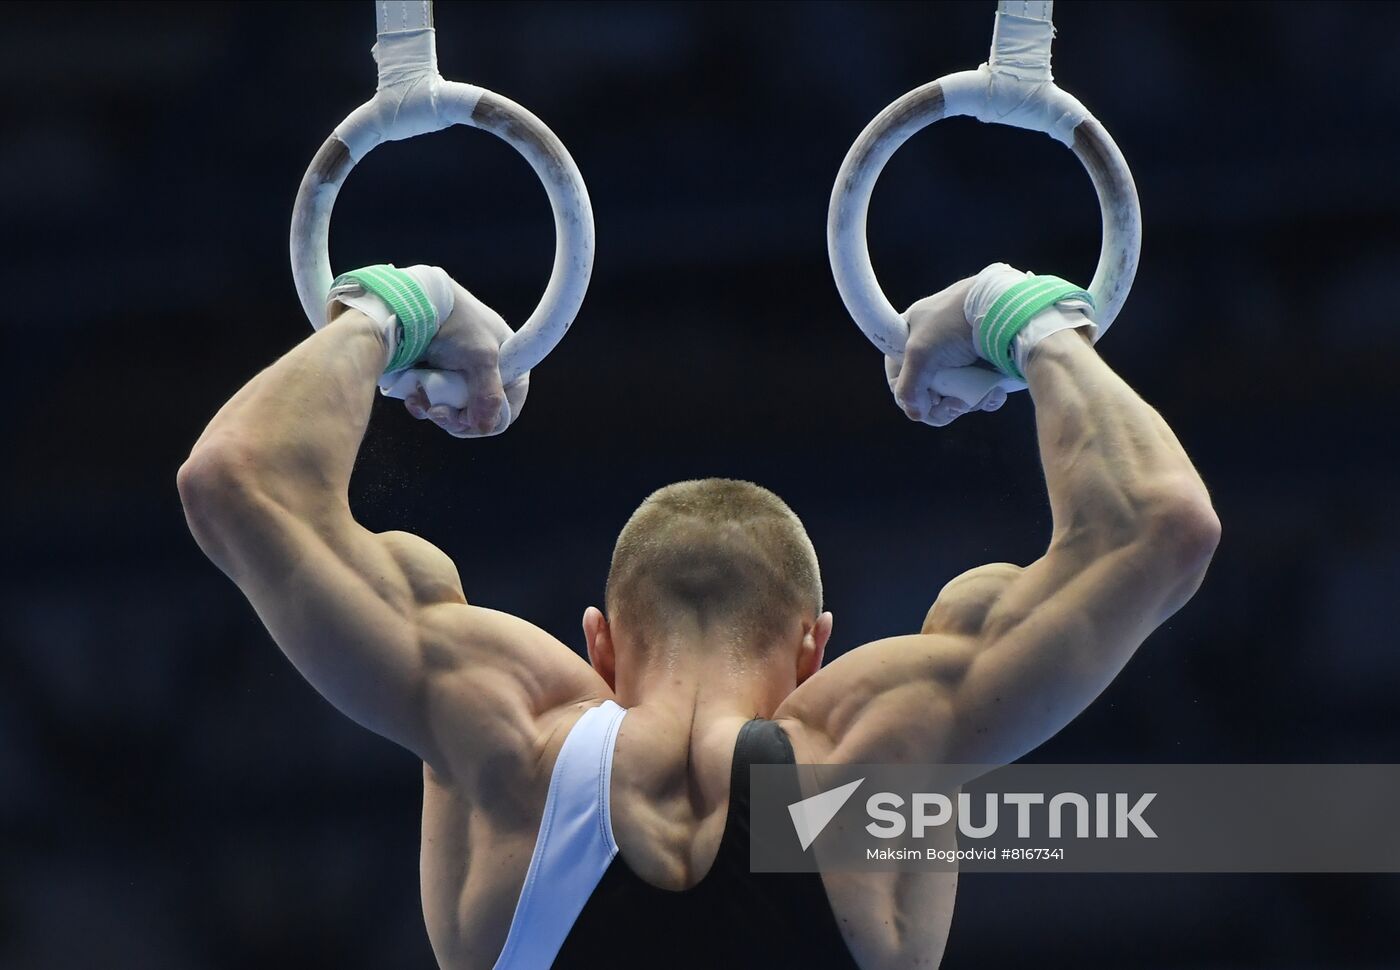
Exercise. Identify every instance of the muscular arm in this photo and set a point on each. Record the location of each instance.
(1008, 656)
(378, 623)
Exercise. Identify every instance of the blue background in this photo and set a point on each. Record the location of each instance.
(172, 795)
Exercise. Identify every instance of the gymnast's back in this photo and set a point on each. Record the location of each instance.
(620, 835)
(607, 798)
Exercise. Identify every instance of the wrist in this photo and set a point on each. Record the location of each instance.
(1047, 325)
(408, 304)
(358, 326)
(1011, 312)
(1058, 348)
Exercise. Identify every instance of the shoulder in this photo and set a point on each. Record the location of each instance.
(500, 687)
(886, 701)
(963, 604)
(893, 700)
(429, 572)
(482, 652)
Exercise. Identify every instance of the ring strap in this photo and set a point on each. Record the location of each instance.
(395, 15)
(1014, 309)
(1021, 39)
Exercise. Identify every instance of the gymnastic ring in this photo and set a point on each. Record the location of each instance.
(446, 103)
(1053, 111)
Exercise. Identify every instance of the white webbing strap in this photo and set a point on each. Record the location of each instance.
(1021, 39)
(405, 43)
(396, 15)
(405, 56)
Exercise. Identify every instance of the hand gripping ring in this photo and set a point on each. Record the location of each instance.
(413, 99)
(990, 94)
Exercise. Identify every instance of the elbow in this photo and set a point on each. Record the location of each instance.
(1185, 532)
(213, 484)
(209, 473)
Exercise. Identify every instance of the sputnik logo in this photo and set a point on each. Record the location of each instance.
(811, 815)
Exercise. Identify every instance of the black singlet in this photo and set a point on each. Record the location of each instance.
(733, 919)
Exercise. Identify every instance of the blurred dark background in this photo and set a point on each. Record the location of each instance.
(172, 795)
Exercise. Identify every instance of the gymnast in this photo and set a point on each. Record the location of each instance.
(594, 813)
(591, 813)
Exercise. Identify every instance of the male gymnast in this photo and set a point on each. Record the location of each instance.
(594, 813)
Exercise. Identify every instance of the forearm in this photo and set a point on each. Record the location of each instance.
(295, 428)
(1133, 534)
(1113, 468)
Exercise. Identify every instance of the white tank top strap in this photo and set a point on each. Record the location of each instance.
(575, 844)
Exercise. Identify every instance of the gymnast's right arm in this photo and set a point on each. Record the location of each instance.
(378, 623)
(1008, 655)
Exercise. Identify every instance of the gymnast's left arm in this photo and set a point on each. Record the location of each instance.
(378, 623)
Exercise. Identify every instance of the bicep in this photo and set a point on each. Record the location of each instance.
(1007, 657)
(1052, 642)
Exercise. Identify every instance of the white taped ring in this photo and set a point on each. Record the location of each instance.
(996, 98)
(414, 102)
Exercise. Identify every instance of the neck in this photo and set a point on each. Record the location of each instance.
(711, 675)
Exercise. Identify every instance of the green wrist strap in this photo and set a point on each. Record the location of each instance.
(418, 322)
(1013, 310)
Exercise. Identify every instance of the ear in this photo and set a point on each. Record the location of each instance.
(600, 646)
(813, 648)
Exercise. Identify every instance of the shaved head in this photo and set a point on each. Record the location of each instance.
(730, 555)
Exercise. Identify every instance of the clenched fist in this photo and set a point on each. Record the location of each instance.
(940, 338)
(469, 344)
